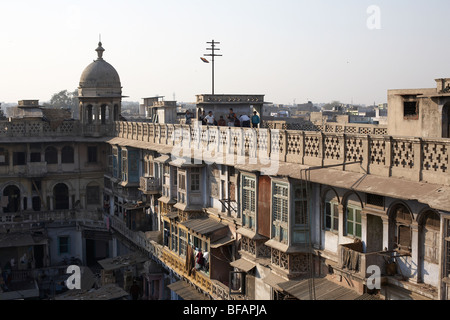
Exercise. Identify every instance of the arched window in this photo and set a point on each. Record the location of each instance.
(61, 194)
(51, 155)
(12, 193)
(67, 154)
(401, 219)
(431, 230)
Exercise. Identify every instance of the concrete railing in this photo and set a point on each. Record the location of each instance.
(149, 184)
(414, 159)
(22, 128)
(26, 219)
(328, 127)
(358, 262)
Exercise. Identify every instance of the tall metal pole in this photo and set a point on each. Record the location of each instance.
(213, 54)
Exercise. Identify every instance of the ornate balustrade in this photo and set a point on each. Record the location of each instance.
(24, 220)
(329, 127)
(414, 159)
(150, 185)
(38, 129)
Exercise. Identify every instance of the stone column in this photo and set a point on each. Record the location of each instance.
(30, 202)
(59, 160)
(70, 201)
(341, 215)
(385, 232)
(83, 200)
(96, 113)
(415, 259)
(50, 205)
(11, 161)
(364, 230)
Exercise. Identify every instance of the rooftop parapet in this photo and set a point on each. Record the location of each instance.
(408, 158)
(230, 98)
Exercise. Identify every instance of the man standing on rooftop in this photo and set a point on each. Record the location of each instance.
(209, 119)
(255, 120)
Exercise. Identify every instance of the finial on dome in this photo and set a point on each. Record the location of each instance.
(100, 51)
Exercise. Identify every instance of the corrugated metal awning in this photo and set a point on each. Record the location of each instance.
(204, 226)
(324, 290)
(273, 280)
(122, 261)
(185, 291)
(162, 159)
(243, 265)
(187, 162)
(222, 242)
(171, 215)
(166, 200)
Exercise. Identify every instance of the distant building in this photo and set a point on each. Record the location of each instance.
(420, 111)
(160, 111)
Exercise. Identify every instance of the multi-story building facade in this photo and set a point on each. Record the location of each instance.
(243, 213)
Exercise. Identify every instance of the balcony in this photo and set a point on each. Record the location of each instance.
(37, 169)
(178, 264)
(355, 262)
(26, 219)
(150, 185)
(24, 129)
(353, 149)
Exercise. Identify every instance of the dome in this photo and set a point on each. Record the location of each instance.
(100, 74)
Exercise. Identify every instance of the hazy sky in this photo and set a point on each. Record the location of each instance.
(288, 50)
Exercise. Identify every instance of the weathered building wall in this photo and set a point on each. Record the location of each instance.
(428, 122)
(263, 291)
(75, 243)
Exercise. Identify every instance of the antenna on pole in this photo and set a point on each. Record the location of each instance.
(212, 54)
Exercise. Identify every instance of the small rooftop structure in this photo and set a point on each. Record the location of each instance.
(220, 104)
(28, 103)
(420, 112)
(27, 109)
(158, 110)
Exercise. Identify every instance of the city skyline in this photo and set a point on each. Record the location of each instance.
(290, 51)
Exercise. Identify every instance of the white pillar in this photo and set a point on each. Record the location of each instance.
(385, 232)
(51, 204)
(364, 230)
(415, 259)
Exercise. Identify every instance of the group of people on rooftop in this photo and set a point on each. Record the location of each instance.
(232, 119)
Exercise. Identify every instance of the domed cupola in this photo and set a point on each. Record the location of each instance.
(99, 95)
(100, 78)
